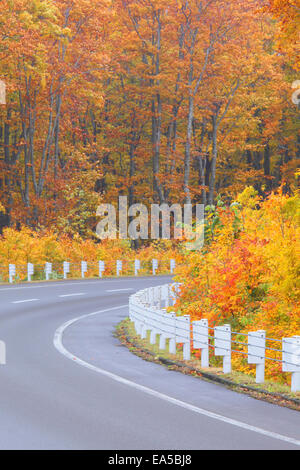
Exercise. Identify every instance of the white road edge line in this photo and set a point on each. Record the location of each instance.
(61, 283)
(58, 343)
(22, 301)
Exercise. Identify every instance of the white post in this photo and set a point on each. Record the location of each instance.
(291, 360)
(142, 329)
(154, 266)
(168, 331)
(172, 265)
(139, 327)
(137, 266)
(159, 296)
(66, 269)
(151, 295)
(183, 335)
(200, 340)
(30, 271)
(295, 382)
(223, 346)
(147, 324)
(48, 270)
(119, 267)
(12, 272)
(165, 295)
(157, 318)
(153, 336)
(101, 268)
(83, 268)
(172, 346)
(257, 353)
(187, 351)
(162, 341)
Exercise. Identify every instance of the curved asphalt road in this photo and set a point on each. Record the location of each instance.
(105, 397)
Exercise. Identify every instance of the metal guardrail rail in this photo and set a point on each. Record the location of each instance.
(147, 310)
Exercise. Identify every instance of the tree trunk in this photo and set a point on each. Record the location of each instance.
(212, 181)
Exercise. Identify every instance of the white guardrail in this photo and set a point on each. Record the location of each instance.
(147, 310)
(66, 268)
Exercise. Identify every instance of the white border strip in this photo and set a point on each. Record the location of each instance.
(63, 282)
(58, 343)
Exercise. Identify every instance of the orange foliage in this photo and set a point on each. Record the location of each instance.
(249, 274)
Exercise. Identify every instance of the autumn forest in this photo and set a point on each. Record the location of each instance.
(161, 101)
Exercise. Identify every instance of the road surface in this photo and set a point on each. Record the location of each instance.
(69, 384)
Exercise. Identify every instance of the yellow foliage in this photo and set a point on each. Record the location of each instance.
(25, 246)
(250, 279)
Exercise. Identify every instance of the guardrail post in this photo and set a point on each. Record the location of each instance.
(149, 325)
(137, 266)
(168, 331)
(257, 353)
(172, 346)
(138, 323)
(159, 296)
(101, 268)
(83, 268)
(11, 272)
(153, 336)
(66, 266)
(48, 270)
(137, 326)
(156, 320)
(151, 297)
(154, 266)
(223, 346)
(172, 265)
(162, 341)
(155, 296)
(166, 296)
(119, 267)
(144, 322)
(291, 360)
(200, 340)
(30, 271)
(183, 335)
(142, 329)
